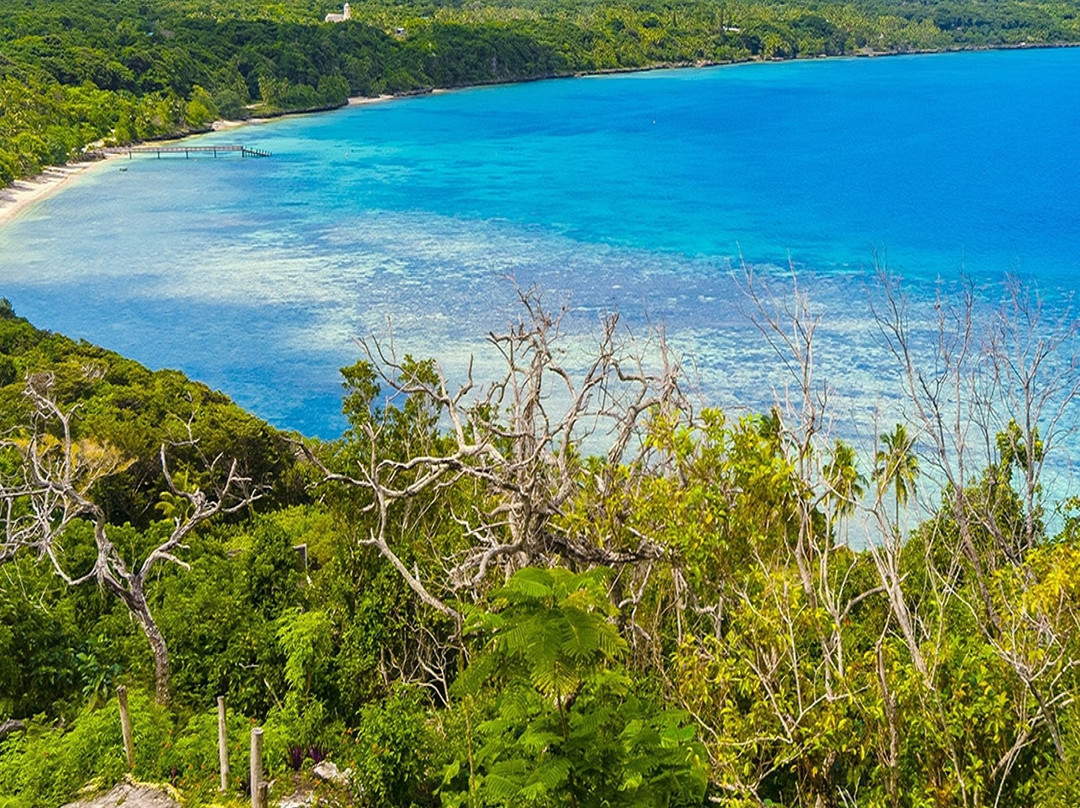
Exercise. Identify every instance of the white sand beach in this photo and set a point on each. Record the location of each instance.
(23, 194)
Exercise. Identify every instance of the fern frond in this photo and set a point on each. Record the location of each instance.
(582, 634)
(554, 680)
(551, 774)
(530, 583)
(500, 787)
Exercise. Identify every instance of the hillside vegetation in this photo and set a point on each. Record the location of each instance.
(75, 73)
(465, 606)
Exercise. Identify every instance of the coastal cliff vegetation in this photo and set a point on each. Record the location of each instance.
(568, 585)
(79, 73)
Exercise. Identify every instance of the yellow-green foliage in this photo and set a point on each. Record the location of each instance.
(738, 651)
(48, 765)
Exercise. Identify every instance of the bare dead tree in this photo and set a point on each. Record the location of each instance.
(53, 487)
(1033, 354)
(990, 391)
(831, 493)
(992, 388)
(518, 441)
(788, 321)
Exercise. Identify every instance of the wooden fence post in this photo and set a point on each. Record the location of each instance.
(257, 800)
(125, 726)
(223, 747)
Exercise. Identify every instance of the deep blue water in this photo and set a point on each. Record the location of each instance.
(635, 192)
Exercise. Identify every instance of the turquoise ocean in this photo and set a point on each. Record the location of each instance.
(643, 193)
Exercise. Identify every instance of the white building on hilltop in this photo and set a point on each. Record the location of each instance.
(346, 14)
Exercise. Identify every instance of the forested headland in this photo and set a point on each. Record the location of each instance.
(76, 73)
(569, 585)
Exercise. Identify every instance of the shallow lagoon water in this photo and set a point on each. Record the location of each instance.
(637, 193)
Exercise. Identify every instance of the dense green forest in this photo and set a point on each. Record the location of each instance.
(78, 73)
(568, 587)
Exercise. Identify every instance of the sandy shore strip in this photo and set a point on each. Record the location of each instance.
(361, 100)
(24, 194)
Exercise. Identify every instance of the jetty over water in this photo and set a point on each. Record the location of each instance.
(187, 151)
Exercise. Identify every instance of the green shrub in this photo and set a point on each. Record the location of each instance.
(192, 761)
(9, 371)
(569, 727)
(46, 766)
(1057, 785)
(394, 747)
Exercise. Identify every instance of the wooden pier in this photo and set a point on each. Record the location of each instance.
(187, 151)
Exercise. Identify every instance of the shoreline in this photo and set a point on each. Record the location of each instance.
(22, 195)
(364, 100)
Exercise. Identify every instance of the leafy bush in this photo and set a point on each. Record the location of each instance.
(393, 748)
(192, 760)
(1057, 784)
(47, 766)
(568, 728)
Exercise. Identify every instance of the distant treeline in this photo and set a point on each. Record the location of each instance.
(75, 73)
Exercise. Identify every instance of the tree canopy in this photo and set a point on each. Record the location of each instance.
(466, 606)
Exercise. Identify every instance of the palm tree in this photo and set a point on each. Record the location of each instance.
(896, 467)
(846, 484)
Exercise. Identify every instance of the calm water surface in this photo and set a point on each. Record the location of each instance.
(635, 192)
